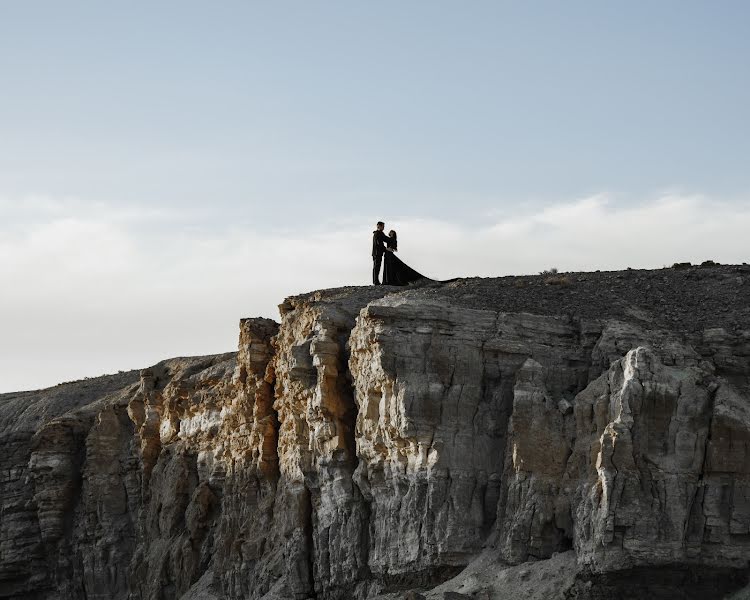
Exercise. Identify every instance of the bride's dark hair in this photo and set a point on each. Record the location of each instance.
(392, 235)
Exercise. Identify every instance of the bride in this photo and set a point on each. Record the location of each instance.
(396, 271)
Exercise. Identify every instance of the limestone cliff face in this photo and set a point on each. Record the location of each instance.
(379, 440)
(435, 387)
(628, 474)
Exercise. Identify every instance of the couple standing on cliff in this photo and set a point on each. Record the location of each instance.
(395, 271)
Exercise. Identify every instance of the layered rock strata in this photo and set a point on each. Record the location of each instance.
(380, 440)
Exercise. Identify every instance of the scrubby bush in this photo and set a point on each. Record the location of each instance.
(558, 280)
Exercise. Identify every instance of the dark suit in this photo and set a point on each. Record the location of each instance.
(379, 239)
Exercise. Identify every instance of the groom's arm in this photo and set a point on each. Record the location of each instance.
(385, 239)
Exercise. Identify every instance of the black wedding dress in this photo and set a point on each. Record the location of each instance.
(396, 271)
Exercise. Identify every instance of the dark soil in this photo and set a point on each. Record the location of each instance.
(678, 582)
(687, 299)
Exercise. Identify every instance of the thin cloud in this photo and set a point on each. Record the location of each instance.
(42, 208)
(88, 289)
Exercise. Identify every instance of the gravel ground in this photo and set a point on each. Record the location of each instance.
(686, 299)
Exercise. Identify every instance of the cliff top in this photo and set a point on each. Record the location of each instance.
(685, 298)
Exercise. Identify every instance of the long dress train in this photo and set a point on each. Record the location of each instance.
(397, 272)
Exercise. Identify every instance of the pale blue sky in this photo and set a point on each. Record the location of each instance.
(169, 167)
(445, 109)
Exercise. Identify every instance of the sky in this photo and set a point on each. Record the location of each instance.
(168, 168)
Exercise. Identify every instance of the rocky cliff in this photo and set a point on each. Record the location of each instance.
(592, 429)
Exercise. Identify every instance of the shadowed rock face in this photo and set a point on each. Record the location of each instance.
(627, 476)
(377, 440)
(435, 388)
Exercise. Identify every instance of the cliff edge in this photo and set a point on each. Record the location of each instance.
(581, 435)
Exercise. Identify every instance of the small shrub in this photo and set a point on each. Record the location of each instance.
(558, 280)
(683, 265)
(709, 263)
(552, 271)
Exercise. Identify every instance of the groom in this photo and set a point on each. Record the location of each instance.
(379, 239)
